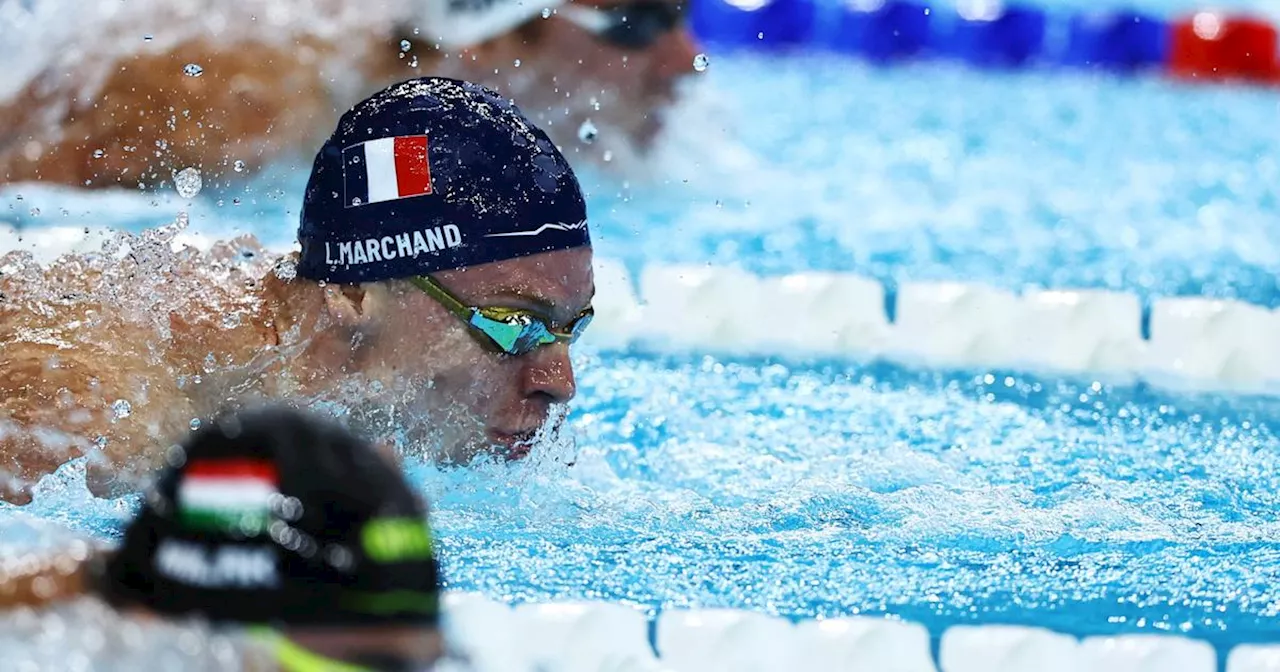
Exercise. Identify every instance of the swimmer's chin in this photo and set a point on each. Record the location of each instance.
(511, 446)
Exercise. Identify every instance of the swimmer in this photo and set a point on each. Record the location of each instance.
(229, 86)
(445, 269)
(280, 529)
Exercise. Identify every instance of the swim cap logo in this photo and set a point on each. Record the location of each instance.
(386, 169)
(388, 540)
(217, 567)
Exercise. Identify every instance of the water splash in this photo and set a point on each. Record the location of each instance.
(188, 182)
(587, 132)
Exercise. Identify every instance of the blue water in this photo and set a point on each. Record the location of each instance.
(810, 488)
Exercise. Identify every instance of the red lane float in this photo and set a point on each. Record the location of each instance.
(1216, 46)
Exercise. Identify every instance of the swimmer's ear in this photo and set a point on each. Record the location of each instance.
(347, 304)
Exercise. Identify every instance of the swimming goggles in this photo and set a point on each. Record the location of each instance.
(629, 25)
(513, 331)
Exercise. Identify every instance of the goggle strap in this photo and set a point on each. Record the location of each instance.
(293, 657)
(435, 291)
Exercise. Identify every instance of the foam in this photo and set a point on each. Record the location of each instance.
(598, 636)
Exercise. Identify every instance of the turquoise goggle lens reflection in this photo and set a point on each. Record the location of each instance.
(520, 332)
(510, 330)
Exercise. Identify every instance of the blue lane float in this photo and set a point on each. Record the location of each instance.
(985, 34)
(753, 23)
(1001, 37)
(1116, 41)
(880, 31)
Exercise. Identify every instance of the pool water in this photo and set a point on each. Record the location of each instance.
(806, 488)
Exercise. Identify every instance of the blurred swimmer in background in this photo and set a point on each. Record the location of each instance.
(292, 538)
(127, 94)
(445, 269)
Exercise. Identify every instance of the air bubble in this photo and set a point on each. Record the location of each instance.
(192, 70)
(188, 182)
(587, 132)
(700, 62)
(121, 408)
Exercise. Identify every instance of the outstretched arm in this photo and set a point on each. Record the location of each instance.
(61, 401)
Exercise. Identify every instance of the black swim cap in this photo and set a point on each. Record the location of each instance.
(272, 516)
(434, 174)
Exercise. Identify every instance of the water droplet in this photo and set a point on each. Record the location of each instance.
(286, 269)
(235, 201)
(238, 166)
(192, 70)
(35, 212)
(356, 201)
(98, 153)
(176, 456)
(121, 408)
(587, 132)
(413, 62)
(339, 557)
(405, 46)
(147, 38)
(700, 62)
(759, 36)
(517, 64)
(195, 423)
(608, 156)
(546, 12)
(188, 182)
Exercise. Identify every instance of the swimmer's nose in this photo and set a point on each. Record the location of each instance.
(548, 372)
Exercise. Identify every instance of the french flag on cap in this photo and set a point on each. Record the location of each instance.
(386, 169)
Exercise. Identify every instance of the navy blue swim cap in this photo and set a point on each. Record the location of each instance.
(435, 174)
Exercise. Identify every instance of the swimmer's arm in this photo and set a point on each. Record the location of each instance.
(35, 581)
(58, 404)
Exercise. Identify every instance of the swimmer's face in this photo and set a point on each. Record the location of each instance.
(570, 72)
(474, 398)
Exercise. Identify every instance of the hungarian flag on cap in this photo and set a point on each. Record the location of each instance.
(227, 495)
